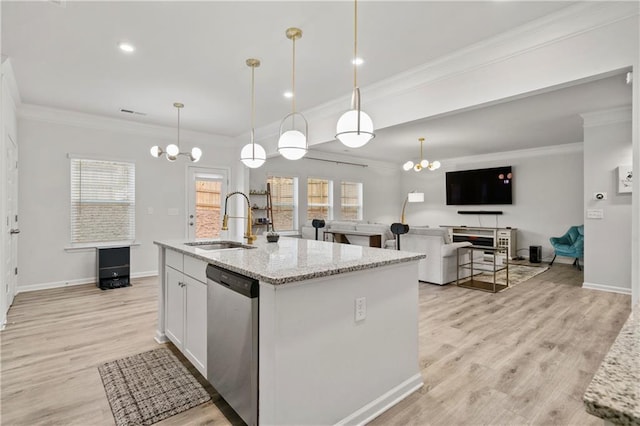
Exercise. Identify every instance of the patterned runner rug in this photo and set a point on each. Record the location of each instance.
(146, 388)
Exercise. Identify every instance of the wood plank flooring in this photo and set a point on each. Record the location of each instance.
(523, 356)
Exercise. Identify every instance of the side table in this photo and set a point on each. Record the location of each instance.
(491, 267)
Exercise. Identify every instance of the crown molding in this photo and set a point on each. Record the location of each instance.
(96, 122)
(606, 117)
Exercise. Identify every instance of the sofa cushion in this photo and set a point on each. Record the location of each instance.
(432, 232)
(381, 228)
(341, 225)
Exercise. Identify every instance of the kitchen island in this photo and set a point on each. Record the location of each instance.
(614, 391)
(338, 324)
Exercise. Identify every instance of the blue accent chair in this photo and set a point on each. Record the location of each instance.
(571, 244)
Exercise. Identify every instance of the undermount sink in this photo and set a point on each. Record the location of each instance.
(217, 245)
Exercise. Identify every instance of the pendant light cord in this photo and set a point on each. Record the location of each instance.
(253, 103)
(293, 78)
(178, 129)
(355, 44)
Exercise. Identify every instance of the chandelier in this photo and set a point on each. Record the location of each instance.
(423, 163)
(173, 150)
(355, 128)
(292, 143)
(253, 155)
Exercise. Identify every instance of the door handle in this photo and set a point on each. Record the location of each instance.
(14, 231)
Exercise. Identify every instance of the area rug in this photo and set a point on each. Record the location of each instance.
(517, 274)
(146, 388)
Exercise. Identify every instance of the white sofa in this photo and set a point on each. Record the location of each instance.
(441, 263)
(309, 232)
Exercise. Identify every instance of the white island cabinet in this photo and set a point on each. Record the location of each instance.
(338, 324)
(185, 306)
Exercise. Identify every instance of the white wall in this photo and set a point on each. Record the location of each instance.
(380, 183)
(46, 137)
(547, 195)
(607, 145)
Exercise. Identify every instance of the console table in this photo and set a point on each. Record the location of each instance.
(341, 236)
(491, 267)
(486, 236)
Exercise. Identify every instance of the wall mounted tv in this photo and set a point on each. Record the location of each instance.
(481, 186)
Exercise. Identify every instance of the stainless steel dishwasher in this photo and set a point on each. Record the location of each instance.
(232, 340)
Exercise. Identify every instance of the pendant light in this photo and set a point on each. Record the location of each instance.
(423, 163)
(172, 151)
(355, 128)
(253, 155)
(292, 143)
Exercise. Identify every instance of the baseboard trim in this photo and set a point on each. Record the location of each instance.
(69, 283)
(607, 288)
(383, 402)
(161, 337)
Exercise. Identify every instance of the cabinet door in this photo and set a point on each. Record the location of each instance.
(175, 306)
(195, 339)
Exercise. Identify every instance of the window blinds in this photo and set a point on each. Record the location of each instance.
(102, 201)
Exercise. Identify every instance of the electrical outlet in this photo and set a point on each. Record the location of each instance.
(360, 309)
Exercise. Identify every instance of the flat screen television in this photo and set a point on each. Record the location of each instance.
(481, 186)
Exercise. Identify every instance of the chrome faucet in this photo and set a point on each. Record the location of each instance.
(248, 235)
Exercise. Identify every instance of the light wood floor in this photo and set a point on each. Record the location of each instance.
(523, 356)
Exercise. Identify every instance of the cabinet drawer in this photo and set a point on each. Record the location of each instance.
(195, 268)
(174, 259)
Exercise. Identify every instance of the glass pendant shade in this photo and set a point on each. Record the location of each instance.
(156, 151)
(253, 155)
(196, 153)
(408, 165)
(347, 130)
(173, 150)
(292, 144)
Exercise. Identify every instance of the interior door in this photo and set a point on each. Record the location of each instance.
(11, 240)
(207, 189)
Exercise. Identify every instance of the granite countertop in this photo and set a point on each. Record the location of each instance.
(293, 259)
(614, 392)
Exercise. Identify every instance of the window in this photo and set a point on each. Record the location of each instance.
(319, 199)
(284, 201)
(351, 200)
(102, 201)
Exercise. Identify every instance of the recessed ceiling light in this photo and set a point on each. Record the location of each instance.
(126, 47)
(288, 95)
(357, 61)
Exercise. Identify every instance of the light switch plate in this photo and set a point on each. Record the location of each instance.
(595, 214)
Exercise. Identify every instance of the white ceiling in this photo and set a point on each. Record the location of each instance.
(195, 52)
